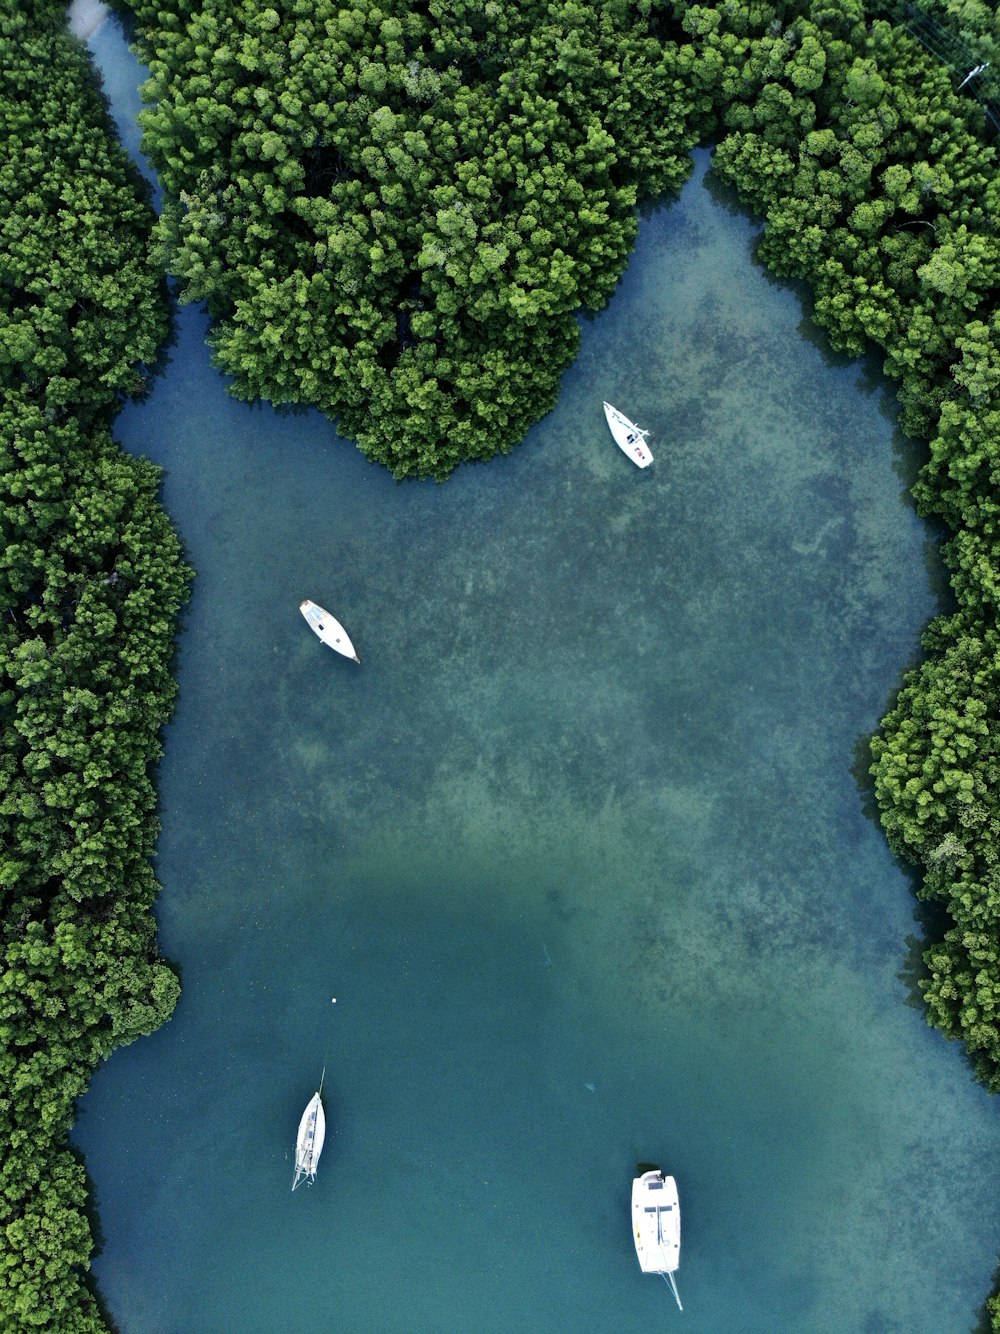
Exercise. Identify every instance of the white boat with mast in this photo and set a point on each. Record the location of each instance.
(631, 439)
(328, 628)
(656, 1226)
(310, 1137)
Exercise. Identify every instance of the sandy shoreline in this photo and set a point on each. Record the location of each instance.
(86, 16)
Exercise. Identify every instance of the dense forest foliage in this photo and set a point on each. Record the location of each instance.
(91, 581)
(396, 213)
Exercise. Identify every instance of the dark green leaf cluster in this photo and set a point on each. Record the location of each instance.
(80, 305)
(937, 770)
(91, 582)
(876, 190)
(395, 212)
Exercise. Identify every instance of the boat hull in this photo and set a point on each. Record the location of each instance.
(656, 1223)
(309, 1141)
(629, 438)
(328, 629)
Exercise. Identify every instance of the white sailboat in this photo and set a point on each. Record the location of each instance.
(631, 439)
(328, 628)
(310, 1137)
(656, 1226)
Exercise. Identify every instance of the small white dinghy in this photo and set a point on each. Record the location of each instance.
(309, 1140)
(631, 439)
(656, 1226)
(328, 628)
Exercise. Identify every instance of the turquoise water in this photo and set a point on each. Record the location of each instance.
(578, 849)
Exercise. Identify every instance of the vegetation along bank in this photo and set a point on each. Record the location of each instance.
(396, 214)
(91, 581)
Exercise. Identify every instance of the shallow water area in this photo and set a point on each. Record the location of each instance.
(577, 849)
(85, 17)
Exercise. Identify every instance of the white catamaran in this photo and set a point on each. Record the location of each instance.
(656, 1226)
(631, 439)
(309, 1140)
